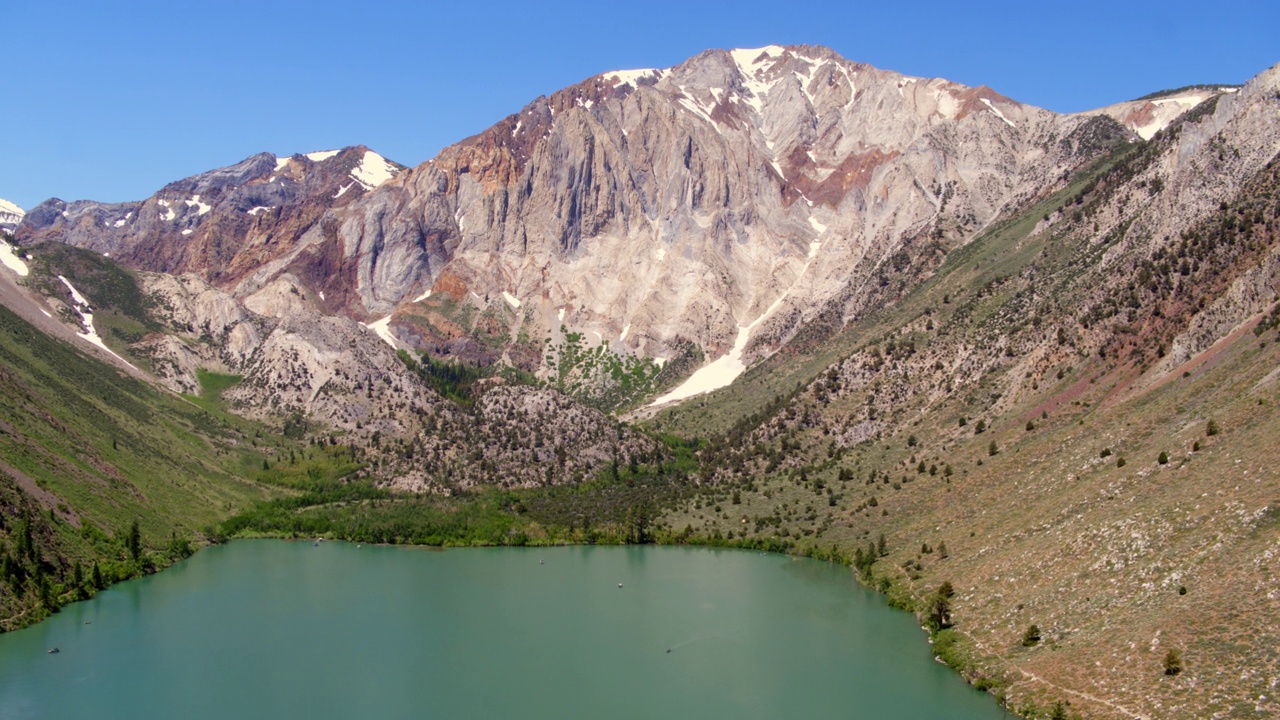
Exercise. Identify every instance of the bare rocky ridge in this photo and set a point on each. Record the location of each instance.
(735, 190)
(220, 224)
(723, 204)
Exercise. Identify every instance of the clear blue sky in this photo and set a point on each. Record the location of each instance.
(111, 104)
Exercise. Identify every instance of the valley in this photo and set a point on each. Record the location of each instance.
(1015, 368)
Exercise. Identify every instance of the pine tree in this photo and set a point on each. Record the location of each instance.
(940, 606)
(1032, 636)
(134, 542)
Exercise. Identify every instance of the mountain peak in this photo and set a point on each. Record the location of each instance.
(10, 215)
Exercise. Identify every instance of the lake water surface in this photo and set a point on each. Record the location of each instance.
(258, 629)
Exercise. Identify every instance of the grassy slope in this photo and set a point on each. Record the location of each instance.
(86, 451)
(1046, 530)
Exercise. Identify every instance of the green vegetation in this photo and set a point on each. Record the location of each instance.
(212, 385)
(1031, 637)
(619, 506)
(87, 454)
(600, 377)
(451, 379)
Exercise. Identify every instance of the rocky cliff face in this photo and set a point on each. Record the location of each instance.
(739, 193)
(220, 224)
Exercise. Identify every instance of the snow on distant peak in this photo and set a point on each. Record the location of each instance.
(631, 77)
(281, 162)
(750, 59)
(750, 62)
(1149, 116)
(373, 170)
(8, 209)
(321, 155)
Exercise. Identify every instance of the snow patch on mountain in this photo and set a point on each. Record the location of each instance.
(90, 333)
(631, 77)
(10, 214)
(322, 155)
(9, 257)
(372, 171)
(195, 203)
(383, 329)
(997, 112)
(1148, 117)
(511, 299)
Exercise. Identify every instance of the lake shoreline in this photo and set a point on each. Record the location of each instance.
(282, 585)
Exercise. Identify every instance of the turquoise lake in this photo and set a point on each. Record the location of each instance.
(276, 629)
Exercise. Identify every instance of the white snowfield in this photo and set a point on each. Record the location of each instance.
(373, 170)
(322, 155)
(9, 256)
(511, 299)
(383, 329)
(195, 203)
(10, 213)
(90, 334)
(722, 371)
(631, 77)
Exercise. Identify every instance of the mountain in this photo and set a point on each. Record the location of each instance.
(730, 201)
(10, 215)
(1043, 423)
(221, 224)
(921, 328)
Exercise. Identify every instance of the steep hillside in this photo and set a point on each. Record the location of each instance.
(1068, 422)
(86, 451)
